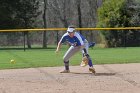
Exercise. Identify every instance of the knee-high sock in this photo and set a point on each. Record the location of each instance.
(66, 65)
(90, 62)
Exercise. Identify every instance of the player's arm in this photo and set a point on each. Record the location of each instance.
(62, 40)
(58, 47)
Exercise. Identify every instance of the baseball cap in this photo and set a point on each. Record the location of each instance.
(70, 30)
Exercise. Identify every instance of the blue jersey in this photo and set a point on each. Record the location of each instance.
(78, 39)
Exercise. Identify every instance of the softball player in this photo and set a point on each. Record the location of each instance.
(77, 43)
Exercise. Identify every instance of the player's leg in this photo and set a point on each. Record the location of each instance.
(91, 68)
(89, 59)
(70, 52)
(85, 53)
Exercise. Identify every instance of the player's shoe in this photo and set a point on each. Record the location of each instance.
(91, 69)
(65, 71)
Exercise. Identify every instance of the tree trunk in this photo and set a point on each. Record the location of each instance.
(79, 15)
(27, 34)
(45, 25)
(28, 40)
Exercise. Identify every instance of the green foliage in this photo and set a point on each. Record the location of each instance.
(18, 13)
(25, 12)
(109, 16)
(132, 11)
(109, 13)
(125, 13)
(6, 14)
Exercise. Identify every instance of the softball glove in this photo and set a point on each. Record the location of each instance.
(84, 61)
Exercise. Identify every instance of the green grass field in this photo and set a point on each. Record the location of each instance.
(47, 57)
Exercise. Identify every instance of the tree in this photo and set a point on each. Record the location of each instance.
(57, 16)
(8, 21)
(109, 16)
(25, 13)
(6, 14)
(124, 13)
(18, 14)
(59, 10)
(79, 14)
(132, 11)
(88, 10)
(45, 24)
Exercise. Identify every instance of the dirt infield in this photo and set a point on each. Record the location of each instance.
(117, 78)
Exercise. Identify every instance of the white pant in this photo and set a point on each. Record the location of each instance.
(73, 50)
